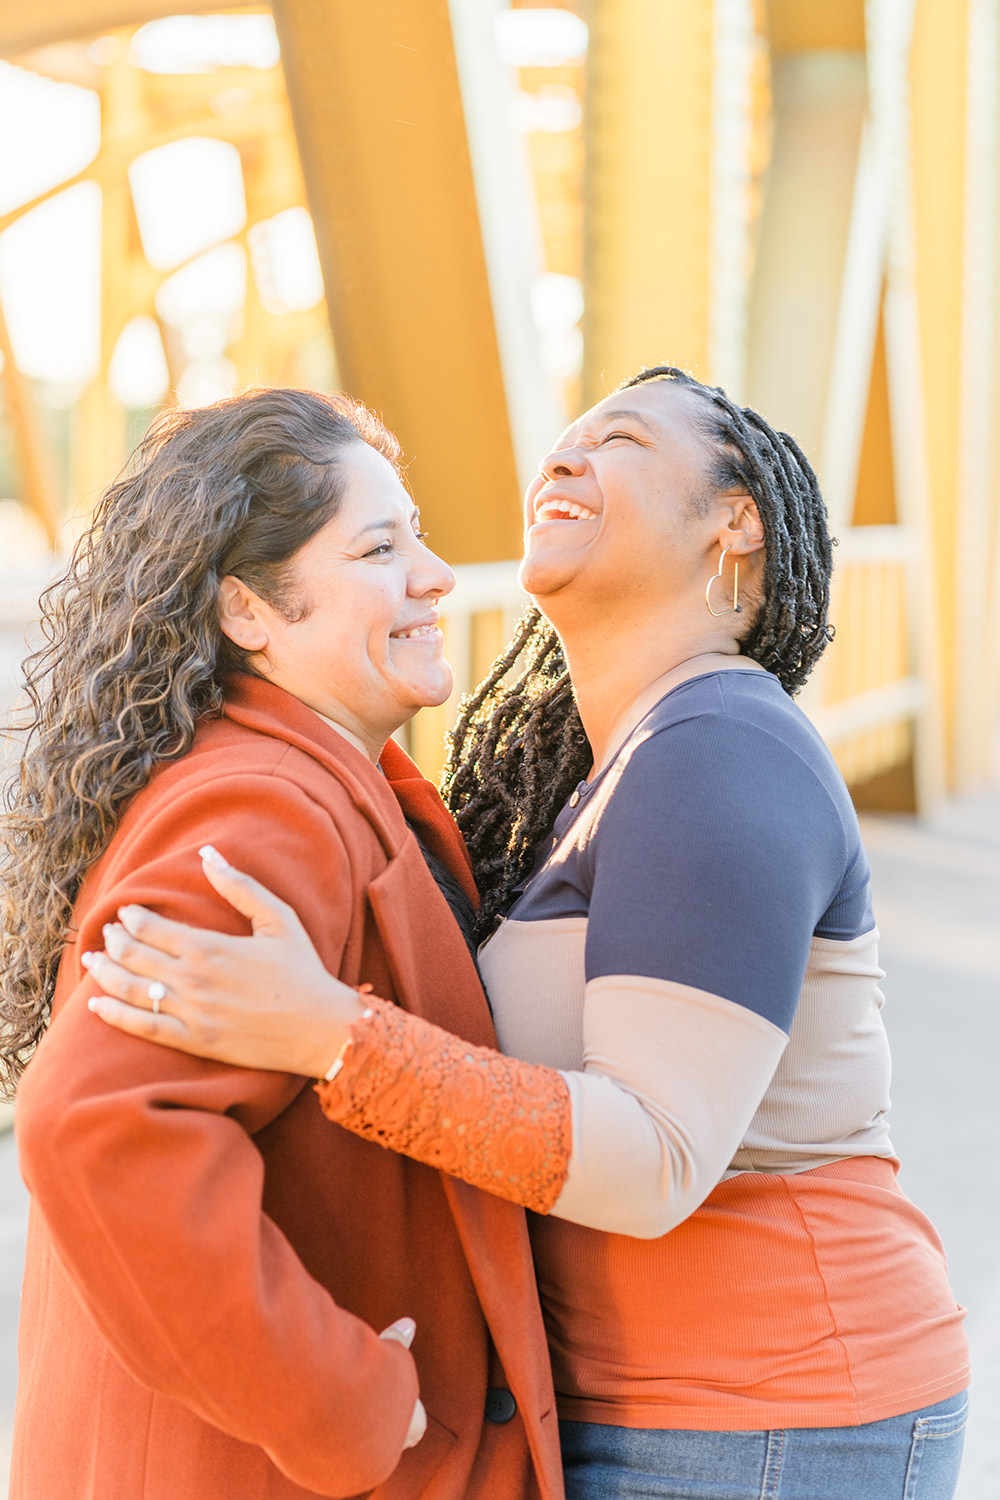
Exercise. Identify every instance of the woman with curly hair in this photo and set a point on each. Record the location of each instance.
(679, 941)
(250, 616)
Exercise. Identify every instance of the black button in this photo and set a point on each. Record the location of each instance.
(500, 1405)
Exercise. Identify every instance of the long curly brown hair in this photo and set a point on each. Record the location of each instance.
(133, 654)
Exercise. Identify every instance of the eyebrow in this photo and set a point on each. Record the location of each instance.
(617, 414)
(613, 416)
(392, 523)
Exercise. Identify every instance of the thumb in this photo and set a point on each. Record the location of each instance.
(270, 916)
(400, 1332)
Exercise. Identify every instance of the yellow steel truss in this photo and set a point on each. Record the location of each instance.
(796, 197)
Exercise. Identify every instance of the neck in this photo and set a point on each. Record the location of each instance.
(370, 748)
(369, 740)
(618, 675)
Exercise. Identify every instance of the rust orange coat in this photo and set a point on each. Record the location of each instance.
(209, 1259)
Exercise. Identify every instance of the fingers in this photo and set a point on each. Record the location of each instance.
(269, 916)
(418, 1425)
(153, 947)
(154, 931)
(401, 1331)
(145, 966)
(142, 1023)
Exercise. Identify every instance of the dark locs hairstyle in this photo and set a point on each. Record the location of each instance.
(519, 747)
(134, 655)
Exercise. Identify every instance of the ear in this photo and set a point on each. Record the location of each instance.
(243, 615)
(742, 530)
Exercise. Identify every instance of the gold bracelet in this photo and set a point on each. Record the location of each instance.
(338, 1061)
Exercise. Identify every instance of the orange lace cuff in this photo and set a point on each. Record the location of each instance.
(491, 1120)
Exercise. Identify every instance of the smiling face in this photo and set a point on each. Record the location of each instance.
(362, 646)
(614, 509)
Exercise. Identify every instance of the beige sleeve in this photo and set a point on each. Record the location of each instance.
(672, 1077)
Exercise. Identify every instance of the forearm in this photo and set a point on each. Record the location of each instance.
(672, 1078)
(631, 1144)
(491, 1120)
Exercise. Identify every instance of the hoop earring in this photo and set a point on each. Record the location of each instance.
(736, 607)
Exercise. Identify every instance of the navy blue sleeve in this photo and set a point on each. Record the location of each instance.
(719, 852)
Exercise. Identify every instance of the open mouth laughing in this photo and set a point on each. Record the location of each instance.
(562, 510)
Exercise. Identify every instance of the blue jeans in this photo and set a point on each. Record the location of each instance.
(913, 1457)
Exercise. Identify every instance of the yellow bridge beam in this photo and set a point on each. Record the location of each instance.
(953, 80)
(374, 90)
(648, 188)
(937, 105)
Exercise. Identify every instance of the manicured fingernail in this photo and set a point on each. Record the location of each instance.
(212, 857)
(407, 1328)
(87, 959)
(126, 911)
(96, 1004)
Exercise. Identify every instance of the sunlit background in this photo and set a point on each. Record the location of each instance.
(479, 217)
(156, 245)
(478, 220)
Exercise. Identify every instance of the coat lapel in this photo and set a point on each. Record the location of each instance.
(431, 969)
(270, 710)
(422, 806)
(427, 956)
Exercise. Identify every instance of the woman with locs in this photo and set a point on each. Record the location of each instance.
(738, 1298)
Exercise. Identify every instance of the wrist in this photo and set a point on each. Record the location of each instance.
(353, 1007)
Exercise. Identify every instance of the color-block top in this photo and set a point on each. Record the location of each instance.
(715, 873)
(696, 952)
(695, 1088)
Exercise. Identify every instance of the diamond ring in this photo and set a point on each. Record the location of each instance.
(157, 992)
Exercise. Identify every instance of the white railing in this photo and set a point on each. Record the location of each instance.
(481, 589)
(478, 618)
(867, 694)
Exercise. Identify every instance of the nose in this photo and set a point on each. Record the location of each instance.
(563, 463)
(431, 575)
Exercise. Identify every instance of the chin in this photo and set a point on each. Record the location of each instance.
(433, 694)
(539, 575)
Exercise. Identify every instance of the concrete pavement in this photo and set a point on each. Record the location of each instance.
(937, 893)
(937, 901)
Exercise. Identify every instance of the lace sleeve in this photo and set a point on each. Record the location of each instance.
(491, 1120)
